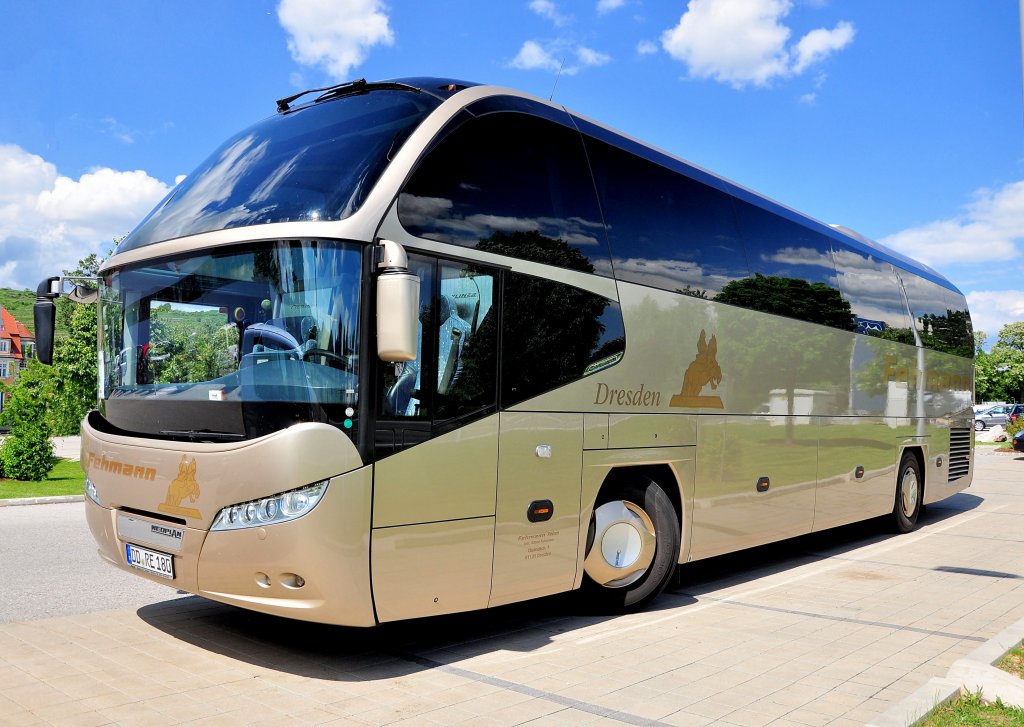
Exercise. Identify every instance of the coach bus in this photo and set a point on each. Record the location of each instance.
(423, 346)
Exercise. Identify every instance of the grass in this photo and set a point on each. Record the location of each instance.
(66, 478)
(972, 709)
(1014, 661)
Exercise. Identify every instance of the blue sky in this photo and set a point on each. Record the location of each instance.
(901, 120)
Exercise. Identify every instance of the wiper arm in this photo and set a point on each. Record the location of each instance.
(194, 435)
(344, 89)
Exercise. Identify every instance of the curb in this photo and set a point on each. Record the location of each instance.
(974, 673)
(40, 500)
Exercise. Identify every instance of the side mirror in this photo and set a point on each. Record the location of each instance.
(83, 294)
(398, 305)
(44, 315)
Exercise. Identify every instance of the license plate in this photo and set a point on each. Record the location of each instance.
(151, 561)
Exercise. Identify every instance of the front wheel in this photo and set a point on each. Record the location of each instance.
(979, 426)
(909, 493)
(632, 545)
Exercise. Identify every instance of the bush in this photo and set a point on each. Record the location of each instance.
(26, 457)
(1015, 426)
(26, 453)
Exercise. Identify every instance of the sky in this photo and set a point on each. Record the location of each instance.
(900, 120)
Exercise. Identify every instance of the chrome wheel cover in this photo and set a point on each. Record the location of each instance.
(909, 491)
(624, 544)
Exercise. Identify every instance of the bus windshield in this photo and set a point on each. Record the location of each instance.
(233, 343)
(315, 163)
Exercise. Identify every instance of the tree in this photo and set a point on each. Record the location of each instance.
(999, 375)
(26, 453)
(71, 386)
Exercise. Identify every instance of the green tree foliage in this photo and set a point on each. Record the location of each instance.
(26, 453)
(999, 374)
(71, 385)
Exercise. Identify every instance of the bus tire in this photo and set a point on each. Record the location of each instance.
(909, 493)
(632, 546)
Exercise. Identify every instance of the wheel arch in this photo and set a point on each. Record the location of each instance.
(663, 474)
(918, 451)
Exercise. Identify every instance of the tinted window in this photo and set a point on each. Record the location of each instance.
(940, 316)
(513, 177)
(315, 163)
(456, 364)
(666, 230)
(874, 294)
(553, 334)
(793, 271)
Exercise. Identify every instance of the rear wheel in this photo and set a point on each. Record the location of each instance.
(632, 545)
(909, 493)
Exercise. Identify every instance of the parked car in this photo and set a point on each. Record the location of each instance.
(1000, 414)
(1018, 441)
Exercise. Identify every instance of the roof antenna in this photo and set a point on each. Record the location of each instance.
(559, 75)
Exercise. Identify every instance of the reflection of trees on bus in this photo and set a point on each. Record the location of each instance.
(790, 297)
(551, 332)
(789, 358)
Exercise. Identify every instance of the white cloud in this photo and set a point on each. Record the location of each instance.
(590, 57)
(821, 43)
(742, 42)
(989, 230)
(549, 11)
(533, 57)
(334, 34)
(48, 222)
(993, 309)
(646, 48)
(606, 6)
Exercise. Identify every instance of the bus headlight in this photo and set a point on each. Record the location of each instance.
(90, 491)
(278, 508)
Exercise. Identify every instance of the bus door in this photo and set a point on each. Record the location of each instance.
(436, 451)
(538, 512)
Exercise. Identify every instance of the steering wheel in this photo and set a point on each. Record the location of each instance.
(333, 359)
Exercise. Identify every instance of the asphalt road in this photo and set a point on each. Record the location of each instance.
(49, 567)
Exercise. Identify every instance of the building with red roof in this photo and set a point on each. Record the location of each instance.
(17, 345)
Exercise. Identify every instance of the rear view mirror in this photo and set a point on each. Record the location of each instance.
(398, 305)
(398, 302)
(44, 316)
(83, 294)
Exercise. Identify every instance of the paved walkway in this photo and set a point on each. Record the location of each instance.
(839, 628)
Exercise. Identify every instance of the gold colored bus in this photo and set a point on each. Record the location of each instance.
(423, 346)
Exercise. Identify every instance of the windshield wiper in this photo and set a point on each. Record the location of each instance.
(194, 435)
(345, 89)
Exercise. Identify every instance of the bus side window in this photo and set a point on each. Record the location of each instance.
(467, 342)
(403, 394)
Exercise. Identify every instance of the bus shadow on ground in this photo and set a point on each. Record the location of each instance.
(338, 653)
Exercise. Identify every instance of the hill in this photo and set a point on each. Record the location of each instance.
(19, 304)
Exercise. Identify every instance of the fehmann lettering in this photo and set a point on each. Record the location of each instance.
(933, 380)
(125, 469)
(627, 397)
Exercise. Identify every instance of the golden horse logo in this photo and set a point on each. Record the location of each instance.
(703, 370)
(182, 486)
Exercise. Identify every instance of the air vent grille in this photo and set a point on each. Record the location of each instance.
(959, 453)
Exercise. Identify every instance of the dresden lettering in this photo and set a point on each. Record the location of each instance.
(125, 469)
(627, 397)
